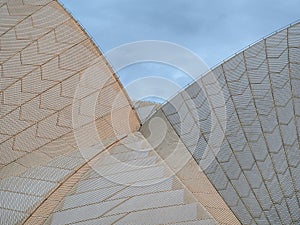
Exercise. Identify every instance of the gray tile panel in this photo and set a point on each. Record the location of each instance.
(258, 164)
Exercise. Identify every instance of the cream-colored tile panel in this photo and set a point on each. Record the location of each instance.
(11, 124)
(31, 55)
(31, 111)
(28, 140)
(52, 71)
(17, 8)
(53, 100)
(33, 82)
(13, 67)
(49, 129)
(26, 32)
(11, 170)
(14, 95)
(49, 16)
(33, 159)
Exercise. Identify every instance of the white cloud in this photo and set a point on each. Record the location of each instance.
(212, 29)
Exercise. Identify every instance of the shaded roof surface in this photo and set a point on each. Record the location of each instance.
(256, 169)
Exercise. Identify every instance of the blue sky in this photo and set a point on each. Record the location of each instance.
(212, 29)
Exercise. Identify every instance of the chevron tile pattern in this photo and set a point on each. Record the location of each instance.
(44, 55)
(256, 170)
(73, 150)
(130, 187)
(50, 70)
(178, 158)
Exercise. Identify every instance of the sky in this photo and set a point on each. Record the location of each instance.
(212, 29)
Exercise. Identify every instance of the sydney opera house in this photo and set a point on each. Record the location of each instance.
(74, 149)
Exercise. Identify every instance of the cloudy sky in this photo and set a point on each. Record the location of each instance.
(212, 29)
